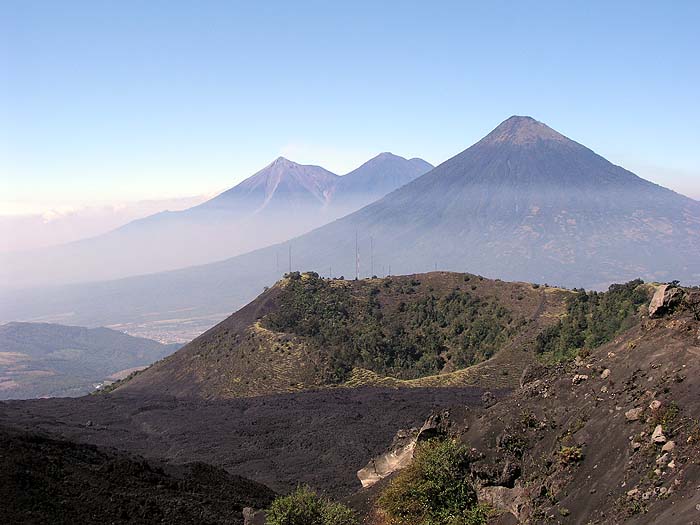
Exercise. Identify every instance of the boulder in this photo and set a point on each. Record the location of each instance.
(633, 414)
(658, 435)
(400, 453)
(665, 300)
(508, 500)
(579, 378)
(488, 399)
(436, 425)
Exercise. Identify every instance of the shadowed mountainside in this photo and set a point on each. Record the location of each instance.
(321, 438)
(48, 480)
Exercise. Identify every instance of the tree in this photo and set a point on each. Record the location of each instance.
(435, 489)
(305, 507)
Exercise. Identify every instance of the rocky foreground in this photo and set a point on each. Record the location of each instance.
(612, 436)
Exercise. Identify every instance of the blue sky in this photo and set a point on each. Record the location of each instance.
(105, 100)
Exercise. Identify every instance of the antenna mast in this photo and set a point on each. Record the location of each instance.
(290, 258)
(357, 259)
(371, 256)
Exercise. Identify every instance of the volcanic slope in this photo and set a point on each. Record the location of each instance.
(306, 332)
(609, 436)
(44, 479)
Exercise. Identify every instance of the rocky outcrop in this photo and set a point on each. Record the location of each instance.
(437, 425)
(400, 451)
(398, 456)
(665, 300)
(504, 499)
(610, 437)
(253, 517)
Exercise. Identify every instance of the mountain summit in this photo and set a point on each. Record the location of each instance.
(523, 130)
(376, 178)
(280, 186)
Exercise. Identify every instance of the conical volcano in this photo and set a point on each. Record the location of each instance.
(526, 202)
(280, 186)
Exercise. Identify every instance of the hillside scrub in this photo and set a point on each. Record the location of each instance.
(435, 489)
(378, 331)
(593, 319)
(305, 507)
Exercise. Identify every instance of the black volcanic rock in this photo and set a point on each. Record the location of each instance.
(44, 479)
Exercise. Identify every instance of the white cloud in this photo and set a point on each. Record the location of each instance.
(29, 225)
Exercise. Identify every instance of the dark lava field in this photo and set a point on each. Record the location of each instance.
(320, 438)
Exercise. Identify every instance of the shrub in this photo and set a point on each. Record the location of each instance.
(435, 489)
(569, 455)
(305, 507)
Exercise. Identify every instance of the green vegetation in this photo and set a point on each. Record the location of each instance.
(593, 319)
(667, 416)
(393, 329)
(305, 507)
(514, 442)
(570, 455)
(435, 489)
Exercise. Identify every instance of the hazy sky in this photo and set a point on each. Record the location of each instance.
(123, 99)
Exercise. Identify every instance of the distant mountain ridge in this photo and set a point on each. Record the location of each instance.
(376, 178)
(525, 203)
(283, 200)
(48, 360)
